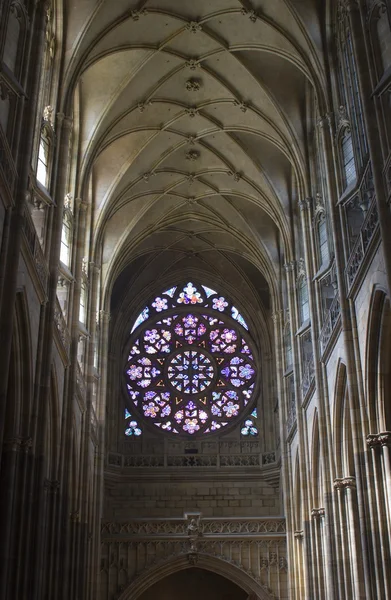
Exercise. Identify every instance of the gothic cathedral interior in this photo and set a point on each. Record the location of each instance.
(195, 320)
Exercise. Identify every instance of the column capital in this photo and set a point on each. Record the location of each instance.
(345, 483)
(81, 204)
(351, 5)
(298, 535)
(373, 440)
(318, 513)
(290, 266)
(19, 444)
(277, 316)
(105, 315)
(51, 485)
(305, 204)
(385, 438)
(64, 120)
(94, 267)
(75, 516)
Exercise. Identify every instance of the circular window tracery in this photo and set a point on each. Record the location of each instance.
(190, 371)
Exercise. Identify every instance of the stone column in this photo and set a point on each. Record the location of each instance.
(299, 590)
(318, 515)
(308, 579)
(344, 578)
(26, 118)
(285, 458)
(15, 463)
(358, 408)
(323, 416)
(380, 513)
(101, 450)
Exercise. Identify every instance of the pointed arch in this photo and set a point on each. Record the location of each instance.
(209, 563)
(378, 362)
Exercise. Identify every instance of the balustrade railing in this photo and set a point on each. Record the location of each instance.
(367, 233)
(191, 460)
(329, 324)
(61, 325)
(35, 249)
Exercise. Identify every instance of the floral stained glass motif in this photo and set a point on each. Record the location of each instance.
(191, 372)
(249, 425)
(131, 426)
(189, 294)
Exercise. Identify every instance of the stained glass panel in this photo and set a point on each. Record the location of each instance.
(192, 371)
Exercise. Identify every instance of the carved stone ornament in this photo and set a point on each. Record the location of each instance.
(75, 516)
(237, 176)
(51, 485)
(345, 483)
(48, 114)
(191, 200)
(136, 14)
(192, 111)
(305, 204)
(193, 26)
(277, 315)
(191, 139)
(301, 268)
(343, 118)
(192, 155)
(147, 176)
(251, 14)
(242, 105)
(317, 513)
(379, 439)
(298, 535)
(319, 205)
(193, 85)
(143, 105)
(190, 178)
(290, 266)
(68, 199)
(193, 64)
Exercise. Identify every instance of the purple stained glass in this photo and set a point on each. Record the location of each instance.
(160, 304)
(219, 304)
(191, 372)
(190, 295)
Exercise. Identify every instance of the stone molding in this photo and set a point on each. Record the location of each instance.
(19, 444)
(377, 440)
(318, 513)
(257, 547)
(345, 483)
(51, 485)
(194, 525)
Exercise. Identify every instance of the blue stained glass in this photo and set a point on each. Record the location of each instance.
(143, 316)
(238, 317)
(208, 291)
(170, 292)
(132, 427)
(254, 413)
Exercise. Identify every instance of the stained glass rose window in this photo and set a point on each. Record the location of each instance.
(190, 368)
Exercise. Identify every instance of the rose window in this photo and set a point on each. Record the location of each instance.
(190, 367)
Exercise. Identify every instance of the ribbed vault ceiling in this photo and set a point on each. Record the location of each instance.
(191, 123)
